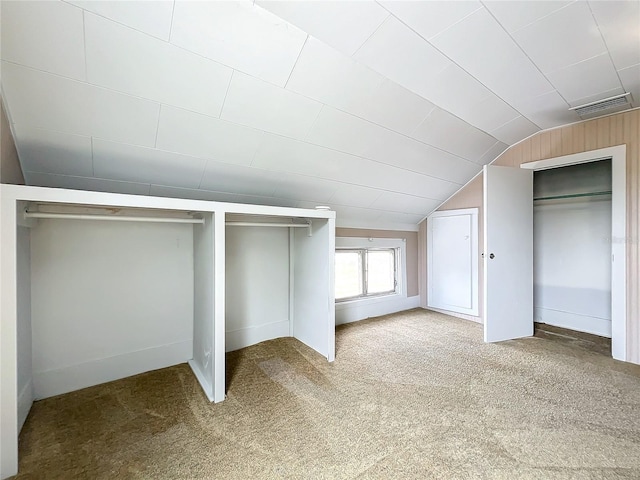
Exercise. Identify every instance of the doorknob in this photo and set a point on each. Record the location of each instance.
(491, 255)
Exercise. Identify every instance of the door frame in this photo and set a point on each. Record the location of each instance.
(618, 156)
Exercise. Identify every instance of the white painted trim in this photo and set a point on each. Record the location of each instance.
(95, 372)
(244, 337)
(331, 300)
(473, 212)
(463, 316)
(353, 312)
(202, 379)
(25, 400)
(573, 321)
(292, 279)
(618, 156)
(366, 225)
(219, 315)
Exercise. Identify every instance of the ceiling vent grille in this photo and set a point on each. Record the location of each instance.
(602, 105)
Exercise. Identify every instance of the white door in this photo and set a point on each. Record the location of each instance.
(508, 253)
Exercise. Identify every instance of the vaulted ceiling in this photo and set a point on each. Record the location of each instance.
(380, 110)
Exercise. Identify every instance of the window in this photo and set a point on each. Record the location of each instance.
(365, 272)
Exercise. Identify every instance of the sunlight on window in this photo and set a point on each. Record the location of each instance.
(348, 274)
(380, 271)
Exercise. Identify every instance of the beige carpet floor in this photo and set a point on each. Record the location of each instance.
(411, 395)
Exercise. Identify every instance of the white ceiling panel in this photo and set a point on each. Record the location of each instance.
(355, 195)
(486, 113)
(130, 163)
(44, 35)
(548, 110)
(47, 151)
(198, 194)
(562, 38)
(258, 104)
(430, 18)
(631, 80)
(515, 130)
(402, 55)
(415, 156)
(240, 35)
(77, 107)
(343, 25)
(298, 187)
(346, 133)
(328, 76)
(348, 216)
(446, 131)
(399, 220)
(491, 154)
(394, 107)
(619, 22)
(222, 177)
(514, 14)
(85, 183)
(398, 202)
(586, 78)
(287, 155)
(132, 62)
(151, 17)
(481, 46)
(198, 135)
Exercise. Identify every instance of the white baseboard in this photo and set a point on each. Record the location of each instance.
(25, 400)
(356, 310)
(243, 337)
(202, 379)
(67, 379)
(463, 316)
(573, 321)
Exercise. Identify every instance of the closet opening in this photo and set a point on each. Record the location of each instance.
(572, 253)
(579, 248)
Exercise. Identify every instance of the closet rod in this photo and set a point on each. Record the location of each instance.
(120, 218)
(267, 224)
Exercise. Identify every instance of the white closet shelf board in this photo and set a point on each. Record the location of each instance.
(209, 248)
(618, 156)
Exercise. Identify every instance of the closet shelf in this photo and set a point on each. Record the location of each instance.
(573, 195)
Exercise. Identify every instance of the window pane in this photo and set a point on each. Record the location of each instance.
(381, 271)
(348, 274)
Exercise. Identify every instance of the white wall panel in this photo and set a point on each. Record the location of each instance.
(257, 282)
(103, 290)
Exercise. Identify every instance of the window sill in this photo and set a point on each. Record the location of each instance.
(369, 300)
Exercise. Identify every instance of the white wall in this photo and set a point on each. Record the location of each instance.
(25, 385)
(109, 300)
(572, 265)
(257, 285)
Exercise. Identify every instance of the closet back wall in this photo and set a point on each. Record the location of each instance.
(109, 300)
(257, 285)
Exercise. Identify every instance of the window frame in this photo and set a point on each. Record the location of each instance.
(398, 245)
(364, 262)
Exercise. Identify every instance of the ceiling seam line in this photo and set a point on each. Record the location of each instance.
(155, 142)
(110, 89)
(173, 10)
(595, 20)
(526, 54)
(465, 70)
(296, 62)
(369, 37)
(224, 100)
